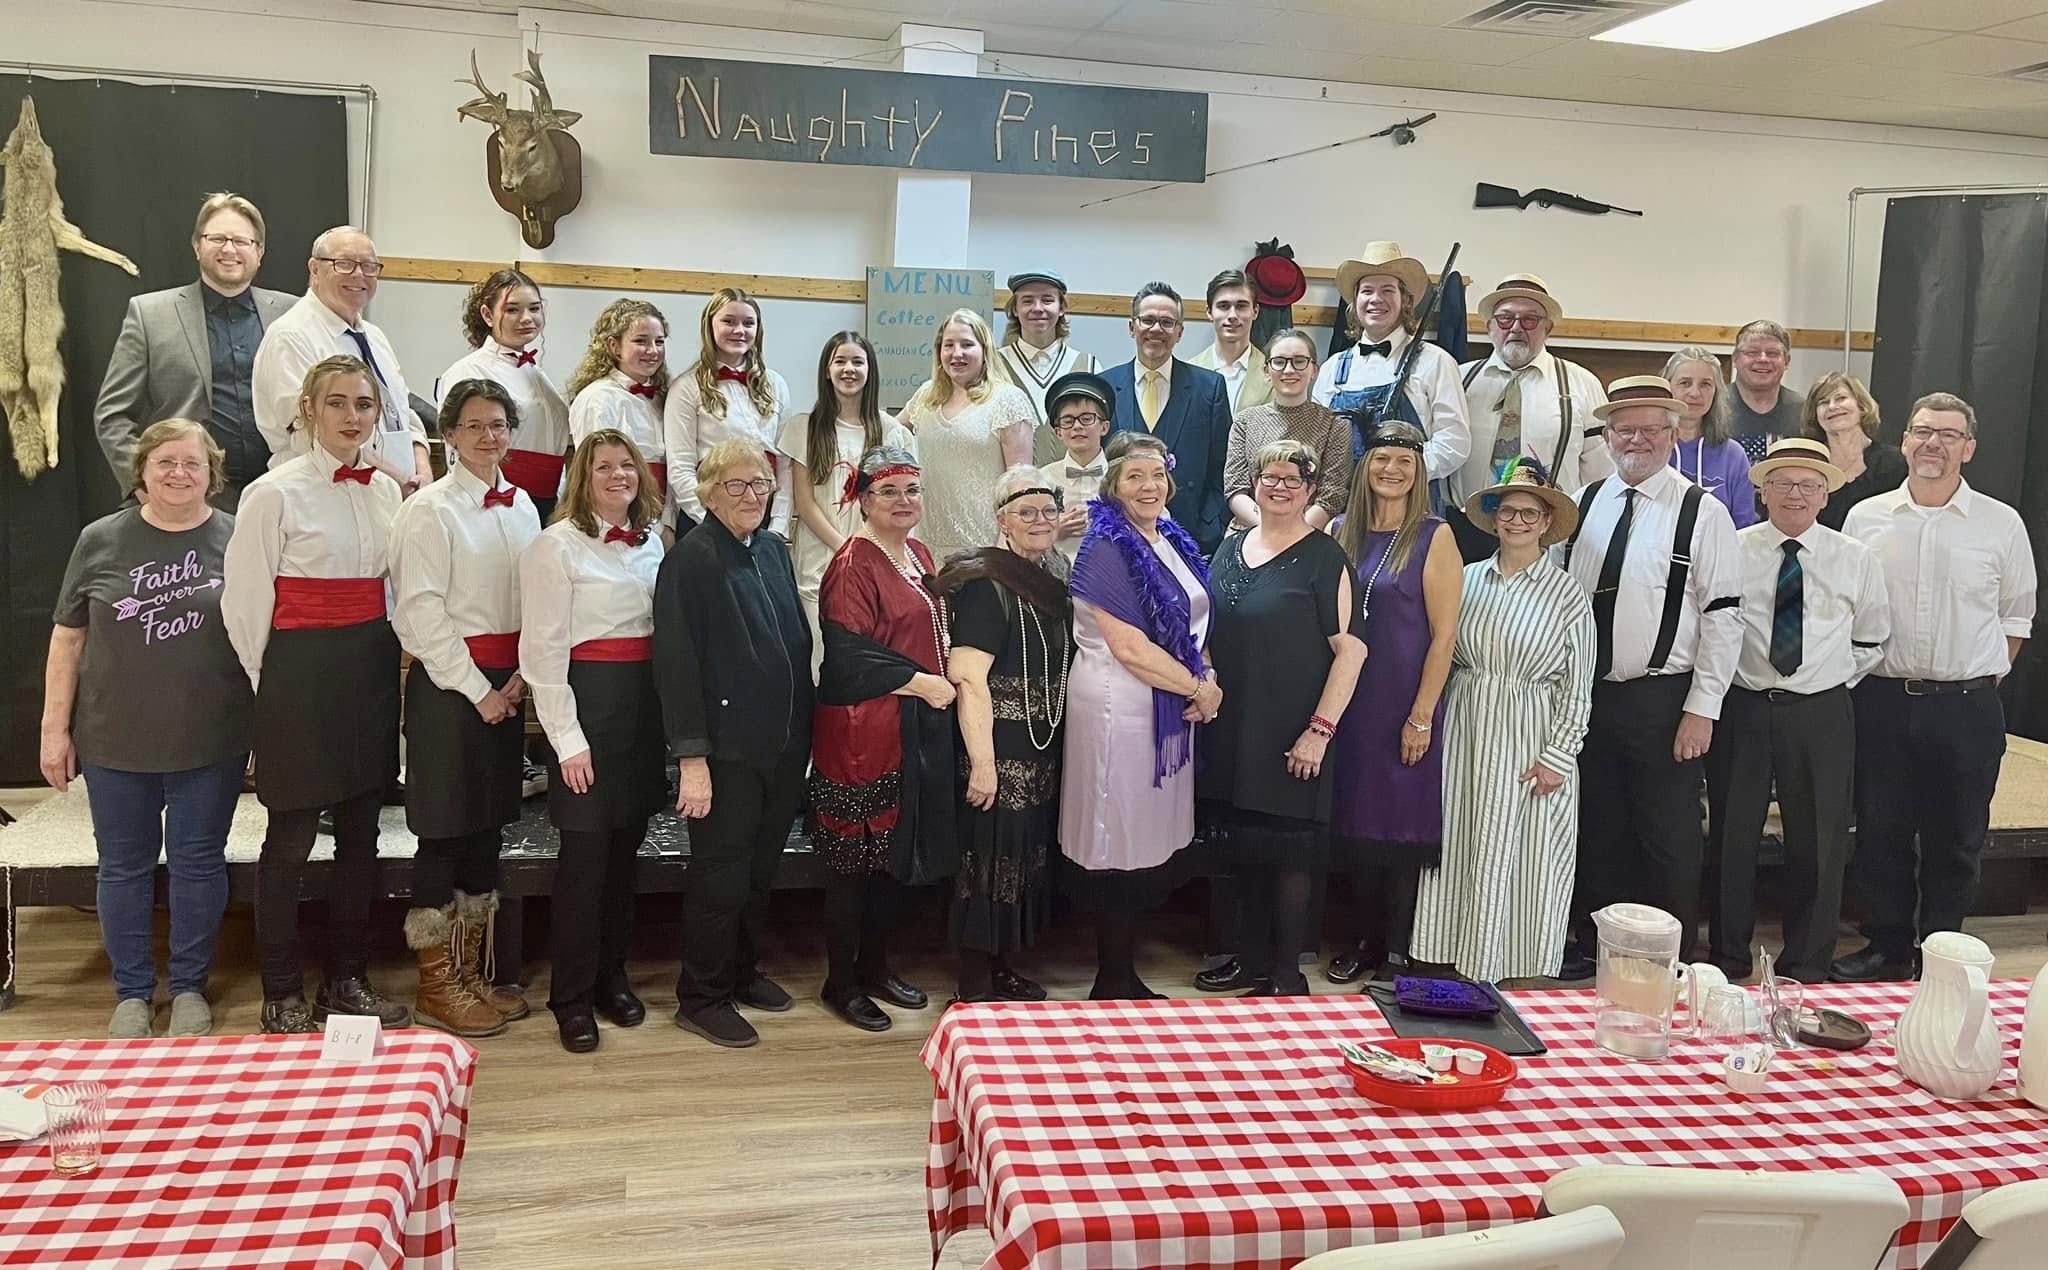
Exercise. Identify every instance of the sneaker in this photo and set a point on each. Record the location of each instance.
(533, 781)
(289, 1015)
(763, 994)
(130, 1021)
(721, 1025)
(356, 996)
(190, 1015)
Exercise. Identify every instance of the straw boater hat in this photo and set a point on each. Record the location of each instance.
(1638, 390)
(1798, 452)
(1522, 286)
(1525, 476)
(1382, 258)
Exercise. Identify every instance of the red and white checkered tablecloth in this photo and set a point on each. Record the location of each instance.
(1225, 1133)
(246, 1151)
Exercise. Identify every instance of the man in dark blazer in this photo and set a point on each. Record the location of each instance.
(187, 353)
(1183, 405)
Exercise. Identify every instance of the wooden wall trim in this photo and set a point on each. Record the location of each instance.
(1091, 304)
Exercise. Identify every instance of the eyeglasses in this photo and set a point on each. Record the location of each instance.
(496, 429)
(892, 493)
(217, 241)
(1155, 323)
(1648, 433)
(1947, 436)
(1518, 515)
(1269, 481)
(759, 487)
(1509, 321)
(1067, 423)
(343, 264)
(1805, 489)
(1300, 361)
(191, 467)
(1033, 515)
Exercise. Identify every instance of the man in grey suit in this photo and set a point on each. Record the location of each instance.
(187, 353)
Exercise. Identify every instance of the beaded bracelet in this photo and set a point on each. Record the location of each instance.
(1321, 727)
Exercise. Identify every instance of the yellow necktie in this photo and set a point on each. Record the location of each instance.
(1148, 400)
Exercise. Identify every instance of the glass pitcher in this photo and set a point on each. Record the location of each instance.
(1637, 979)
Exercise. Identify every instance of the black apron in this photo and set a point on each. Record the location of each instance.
(462, 775)
(326, 724)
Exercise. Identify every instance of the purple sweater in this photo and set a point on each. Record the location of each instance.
(1724, 471)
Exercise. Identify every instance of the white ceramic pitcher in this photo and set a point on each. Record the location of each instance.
(1946, 1042)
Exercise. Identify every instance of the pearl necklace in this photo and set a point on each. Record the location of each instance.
(1365, 603)
(942, 630)
(1056, 710)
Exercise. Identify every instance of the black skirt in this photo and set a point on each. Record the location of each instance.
(621, 719)
(462, 775)
(326, 724)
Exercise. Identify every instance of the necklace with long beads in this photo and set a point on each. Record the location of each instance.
(942, 630)
(1055, 708)
(1365, 602)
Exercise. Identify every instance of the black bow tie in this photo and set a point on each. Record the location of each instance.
(1385, 348)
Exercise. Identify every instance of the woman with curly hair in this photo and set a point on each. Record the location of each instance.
(503, 318)
(727, 392)
(622, 380)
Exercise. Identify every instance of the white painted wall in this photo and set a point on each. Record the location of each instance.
(1744, 216)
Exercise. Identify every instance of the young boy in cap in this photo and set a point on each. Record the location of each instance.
(1080, 406)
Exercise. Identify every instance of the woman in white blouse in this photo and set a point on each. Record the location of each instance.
(728, 392)
(824, 449)
(972, 425)
(503, 318)
(305, 603)
(455, 570)
(586, 648)
(622, 381)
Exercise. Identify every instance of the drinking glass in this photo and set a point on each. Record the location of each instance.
(1782, 1001)
(77, 1114)
(1725, 1019)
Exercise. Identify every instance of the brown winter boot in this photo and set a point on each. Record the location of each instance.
(443, 1001)
(476, 923)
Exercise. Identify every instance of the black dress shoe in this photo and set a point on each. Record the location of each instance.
(1228, 977)
(1870, 966)
(621, 1007)
(1011, 986)
(1394, 964)
(896, 992)
(1350, 967)
(578, 1030)
(763, 993)
(860, 1010)
(1577, 966)
(356, 996)
(1265, 988)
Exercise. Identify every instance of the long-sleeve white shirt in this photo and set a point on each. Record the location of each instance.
(455, 573)
(1709, 636)
(308, 334)
(611, 403)
(1585, 454)
(1433, 389)
(574, 588)
(297, 521)
(1845, 615)
(543, 414)
(688, 429)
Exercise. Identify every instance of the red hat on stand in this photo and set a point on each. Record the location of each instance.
(1276, 280)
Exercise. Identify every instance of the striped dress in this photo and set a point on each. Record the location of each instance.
(1521, 689)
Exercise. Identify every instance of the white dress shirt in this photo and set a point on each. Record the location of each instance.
(574, 588)
(1960, 577)
(543, 414)
(1079, 489)
(455, 573)
(1842, 597)
(609, 403)
(309, 333)
(1433, 389)
(1585, 454)
(688, 430)
(297, 521)
(1034, 369)
(1234, 373)
(1707, 642)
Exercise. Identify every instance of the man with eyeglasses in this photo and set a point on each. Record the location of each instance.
(1659, 559)
(1183, 405)
(1232, 310)
(1814, 622)
(1523, 402)
(1930, 731)
(188, 353)
(342, 280)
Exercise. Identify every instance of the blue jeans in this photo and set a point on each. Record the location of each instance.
(185, 817)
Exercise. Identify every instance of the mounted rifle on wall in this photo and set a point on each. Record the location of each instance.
(535, 166)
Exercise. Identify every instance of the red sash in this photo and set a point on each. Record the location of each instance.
(494, 652)
(540, 475)
(660, 471)
(317, 603)
(626, 648)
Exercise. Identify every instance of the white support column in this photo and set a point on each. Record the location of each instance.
(929, 216)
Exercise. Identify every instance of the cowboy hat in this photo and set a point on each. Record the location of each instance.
(1521, 286)
(1382, 258)
(1638, 390)
(1525, 476)
(1798, 452)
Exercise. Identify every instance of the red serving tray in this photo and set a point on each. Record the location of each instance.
(1467, 1091)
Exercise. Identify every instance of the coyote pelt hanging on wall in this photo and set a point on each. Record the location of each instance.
(32, 230)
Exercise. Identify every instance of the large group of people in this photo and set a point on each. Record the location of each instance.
(1483, 644)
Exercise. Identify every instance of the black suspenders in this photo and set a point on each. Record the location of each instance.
(1681, 565)
(1564, 409)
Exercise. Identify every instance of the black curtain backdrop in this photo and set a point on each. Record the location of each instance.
(133, 164)
(1962, 307)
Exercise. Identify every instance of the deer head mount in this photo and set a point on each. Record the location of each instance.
(535, 166)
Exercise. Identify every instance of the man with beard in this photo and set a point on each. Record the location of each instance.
(1525, 402)
(1761, 410)
(1035, 351)
(1930, 732)
(1661, 562)
(1243, 367)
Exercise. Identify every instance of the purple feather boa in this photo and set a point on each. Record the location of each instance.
(1117, 571)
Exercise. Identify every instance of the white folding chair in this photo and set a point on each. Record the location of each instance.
(1588, 1239)
(2003, 1230)
(1714, 1219)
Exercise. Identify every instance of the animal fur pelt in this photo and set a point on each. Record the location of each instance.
(32, 230)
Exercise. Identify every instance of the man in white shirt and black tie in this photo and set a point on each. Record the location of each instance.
(1930, 732)
(1814, 622)
(1660, 561)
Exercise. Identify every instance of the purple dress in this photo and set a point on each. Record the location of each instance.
(1386, 812)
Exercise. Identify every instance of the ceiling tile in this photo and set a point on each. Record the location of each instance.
(1616, 61)
(1037, 41)
(1967, 55)
(1845, 40)
(1952, 15)
(1075, 16)
(1403, 40)
(2034, 28)
(1747, 68)
(1181, 20)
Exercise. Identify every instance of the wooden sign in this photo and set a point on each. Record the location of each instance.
(905, 308)
(944, 123)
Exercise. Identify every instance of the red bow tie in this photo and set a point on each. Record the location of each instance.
(498, 497)
(360, 475)
(522, 357)
(736, 376)
(643, 390)
(631, 537)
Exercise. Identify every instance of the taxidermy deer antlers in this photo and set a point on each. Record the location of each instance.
(32, 230)
(535, 165)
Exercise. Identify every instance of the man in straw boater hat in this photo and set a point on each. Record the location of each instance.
(1659, 559)
(1930, 732)
(1523, 401)
(1035, 349)
(1383, 286)
(1814, 622)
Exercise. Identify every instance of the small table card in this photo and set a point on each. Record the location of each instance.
(350, 1038)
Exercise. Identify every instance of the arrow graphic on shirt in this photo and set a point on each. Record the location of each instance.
(128, 606)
